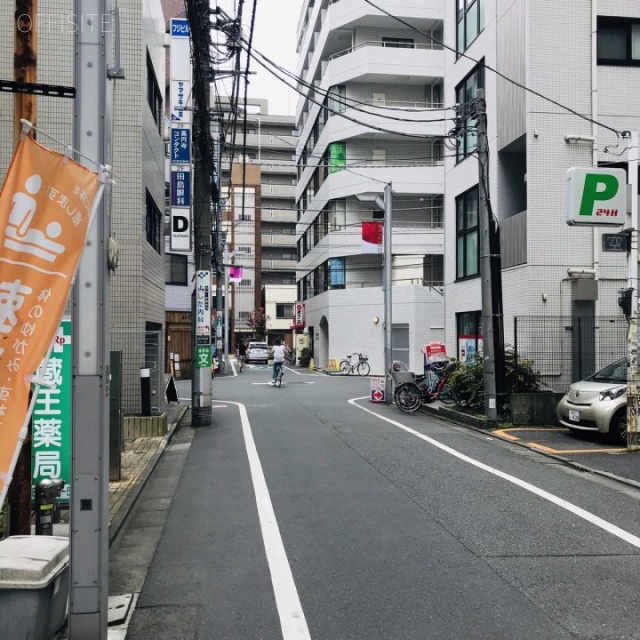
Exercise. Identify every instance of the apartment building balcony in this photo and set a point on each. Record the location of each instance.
(281, 265)
(374, 61)
(409, 238)
(425, 123)
(269, 141)
(278, 214)
(323, 28)
(278, 240)
(406, 179)
(278, 191)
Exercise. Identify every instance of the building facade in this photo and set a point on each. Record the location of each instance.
(261, 220)
(372, 116)
(135, 201)
(548, 268)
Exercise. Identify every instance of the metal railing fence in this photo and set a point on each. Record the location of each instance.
(564, 349)
(140, 350)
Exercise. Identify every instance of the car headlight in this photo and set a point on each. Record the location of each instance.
(612, 394)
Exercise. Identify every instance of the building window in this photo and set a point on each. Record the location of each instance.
(398, 43)
(244, 316)
(284, 311)
(467, 235)
(153, 224)
(154, 95)
(288, 255)
(245, 283)
(470, 19)
(433, 270)
(618, 41)
(175, 269)
(337, 156)
(467, 91)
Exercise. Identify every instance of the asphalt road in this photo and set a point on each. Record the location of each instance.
(305, 514)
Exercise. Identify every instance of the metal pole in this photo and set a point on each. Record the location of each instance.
(633, 338)
(24, 70)
(488, 344)
(225, 329)
(91, 328)
(388, 208)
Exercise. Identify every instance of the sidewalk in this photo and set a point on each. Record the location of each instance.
(137, 463)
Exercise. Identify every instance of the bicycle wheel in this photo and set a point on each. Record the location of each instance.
(345, 367)
(408, 397)
(279, 379)
(445, 395)
(363, 368)
(221, 364)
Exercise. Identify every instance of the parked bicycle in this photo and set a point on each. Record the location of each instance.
(361, 366)
(424, 389)
(290, 357)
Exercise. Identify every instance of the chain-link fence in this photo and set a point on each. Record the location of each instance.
(565, 349)
(140, 350)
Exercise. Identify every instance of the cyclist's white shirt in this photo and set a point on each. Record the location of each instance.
(278, 353)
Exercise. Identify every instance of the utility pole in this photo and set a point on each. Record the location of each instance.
(24, 72)
(633, 339)
(388, 285)
(201, 370)
(204, 169)
(490, 274)
(89, 572)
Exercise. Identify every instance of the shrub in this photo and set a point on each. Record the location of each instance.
(305, 357)
(467, 380)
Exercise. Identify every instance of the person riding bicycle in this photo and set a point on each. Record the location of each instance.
(278, 354)
(242, 355)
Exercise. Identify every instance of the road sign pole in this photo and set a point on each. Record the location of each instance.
(633, 338)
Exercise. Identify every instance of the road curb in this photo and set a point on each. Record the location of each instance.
(433, 411)
(120, 518)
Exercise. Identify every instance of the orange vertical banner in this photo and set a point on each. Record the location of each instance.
(45, 207)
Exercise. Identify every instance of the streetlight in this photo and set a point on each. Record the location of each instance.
(386, 206)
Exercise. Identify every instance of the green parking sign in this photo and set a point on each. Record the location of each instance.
(596, 197)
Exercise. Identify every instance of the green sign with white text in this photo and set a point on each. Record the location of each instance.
(203, 357)
(51, 418)
(596, 197)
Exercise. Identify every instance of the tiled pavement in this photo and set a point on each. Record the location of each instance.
(136, 465)
(137, 455)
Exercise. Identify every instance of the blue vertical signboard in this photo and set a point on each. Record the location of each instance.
(180, 188)
(180, 152)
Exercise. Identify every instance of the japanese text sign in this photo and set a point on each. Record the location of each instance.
(51, 444)
(45, 206)
(180, 152)
(203, 307)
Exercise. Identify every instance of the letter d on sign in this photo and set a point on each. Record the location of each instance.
(597, 188)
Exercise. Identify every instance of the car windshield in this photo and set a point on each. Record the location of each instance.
(258, 345)
(613, 373)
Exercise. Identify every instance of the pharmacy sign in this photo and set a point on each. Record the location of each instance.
(596, 197)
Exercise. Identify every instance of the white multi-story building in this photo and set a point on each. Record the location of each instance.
(584, 56)
(372, 117)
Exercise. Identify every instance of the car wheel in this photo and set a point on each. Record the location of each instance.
(618, 427)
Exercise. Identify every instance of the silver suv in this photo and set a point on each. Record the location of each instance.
(257, 352)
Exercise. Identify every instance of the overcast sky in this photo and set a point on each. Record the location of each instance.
(275, 37)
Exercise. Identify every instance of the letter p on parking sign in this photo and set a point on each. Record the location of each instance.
(596, 197)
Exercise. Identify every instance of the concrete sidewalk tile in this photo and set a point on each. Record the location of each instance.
(136, 463)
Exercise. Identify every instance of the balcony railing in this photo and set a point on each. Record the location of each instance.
(390, 45)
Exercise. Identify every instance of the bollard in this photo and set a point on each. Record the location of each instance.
(47, 494)
(145, 391)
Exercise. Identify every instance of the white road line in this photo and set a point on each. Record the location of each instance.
(564, 504)
(292, 620)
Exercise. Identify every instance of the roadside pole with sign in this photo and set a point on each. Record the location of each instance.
(596, 198)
